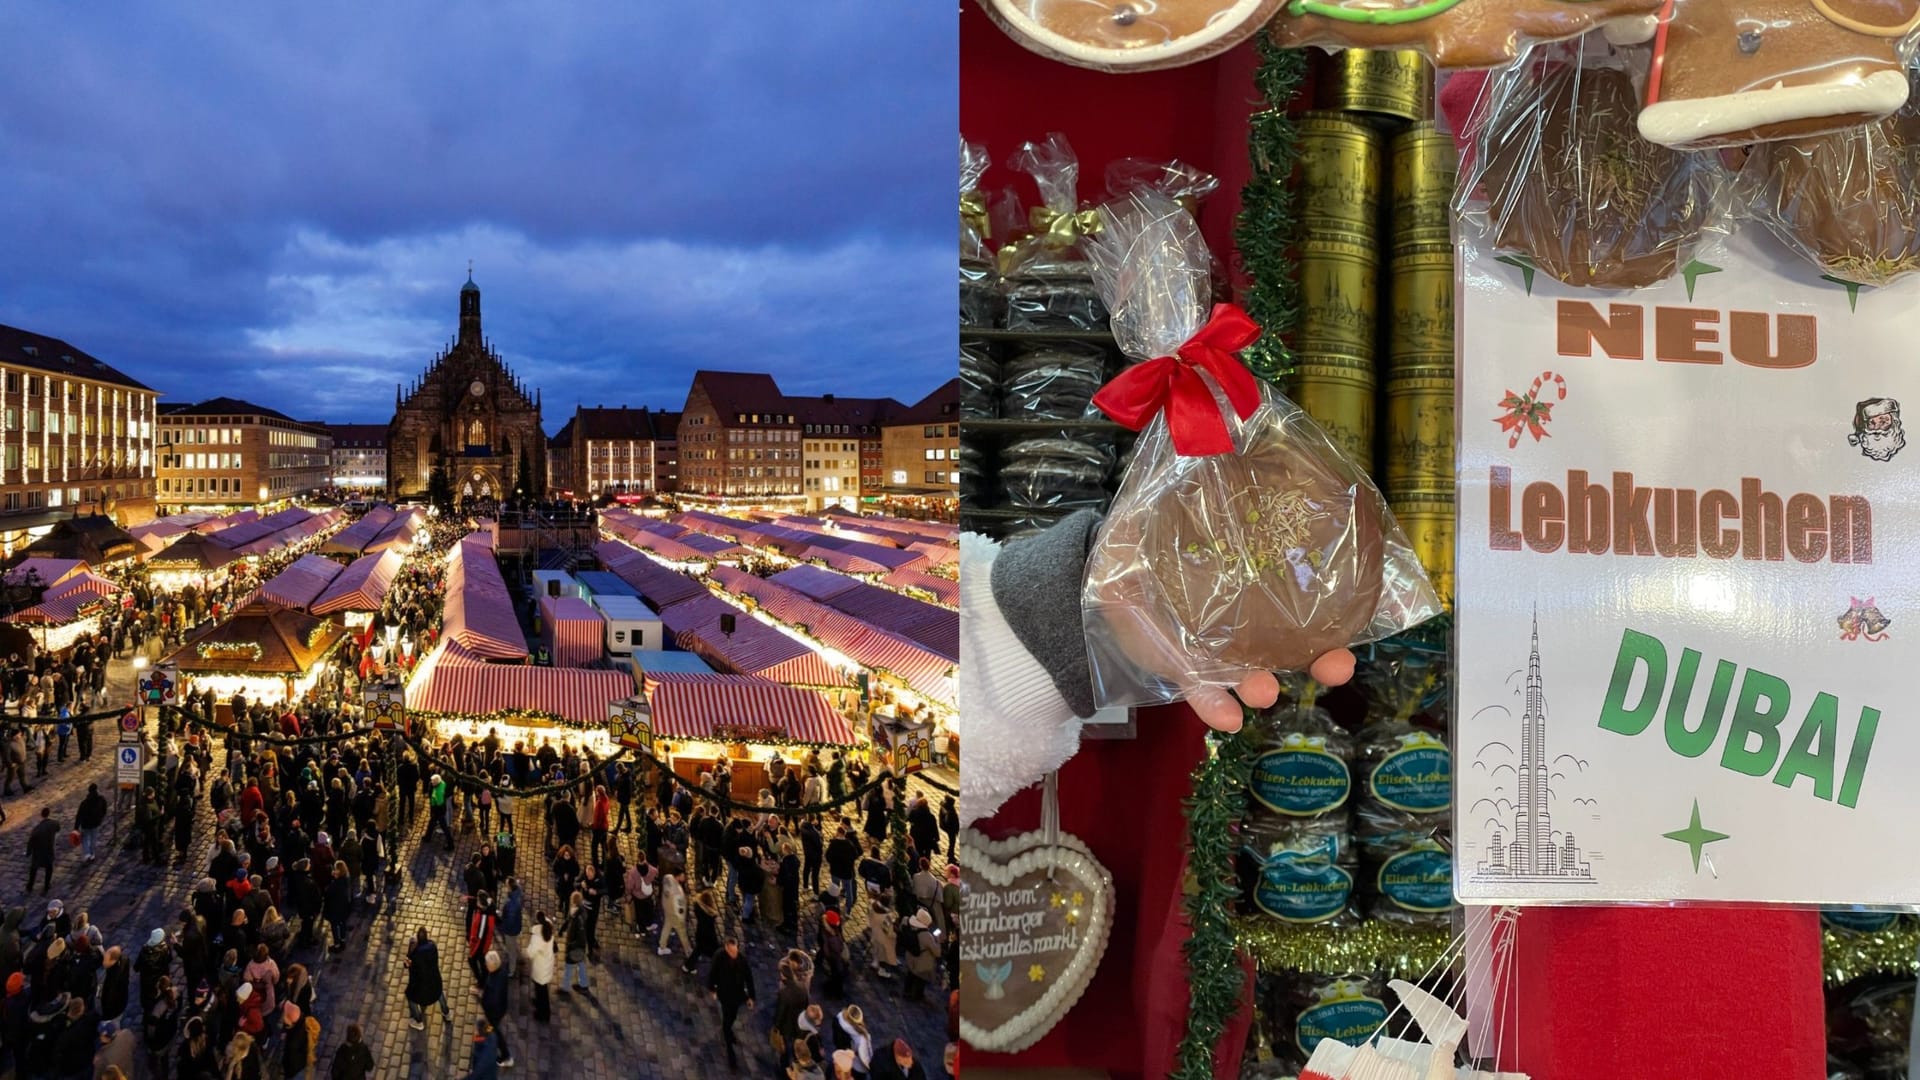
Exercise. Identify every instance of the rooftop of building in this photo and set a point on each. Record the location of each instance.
(24, 348)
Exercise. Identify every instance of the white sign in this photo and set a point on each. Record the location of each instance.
(130, 760)
(1688, 606)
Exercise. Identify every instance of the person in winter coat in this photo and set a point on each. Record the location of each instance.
(512, 922)
(300, 1045)
(159, 1025)
(922, 827)
(91, 815)
(899, 1065)
(923, 951)
(10, 940)
(789, 1004)
(574, 975)
(74, 1047)
(154, 962)
(115, 972)
(339, 906)
(849, 1032)
(730, 982)
(843, 853)
(242, 1059)
(752, 877)
(196, 1059)
(834, 962)
(673, 912)
(706, 927)
(540, 965)
(424, 988)
(788, 876)
(881, 934)
(484, 1062)
(264, 974)
(949, 824)
(353, 1060)
(493, 1002)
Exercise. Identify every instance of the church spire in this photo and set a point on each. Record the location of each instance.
(469, 309)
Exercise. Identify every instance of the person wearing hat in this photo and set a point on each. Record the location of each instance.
(849, 1033)
(834, 961)
(922, 950)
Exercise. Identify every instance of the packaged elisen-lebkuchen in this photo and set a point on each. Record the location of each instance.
(1848, 200)
(1241, 538)
(1559, 174)
(979, 283)
(1729, 73)
(1045, 268)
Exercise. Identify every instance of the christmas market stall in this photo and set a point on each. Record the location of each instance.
(468, 693)
(357, 592)
(94, 539)
(479, 610)
(195, 560)
(398, 534)
(267, 652)
(70, 606)
(658, 585)
(354, 539)
(732, 641)
(701, 719)
(572, 631)
(301, 583)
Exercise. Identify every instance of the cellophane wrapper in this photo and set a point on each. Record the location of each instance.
(1045, 270)
(1160, 624)
(1848, 200)
(1558, 173)
(979, 282)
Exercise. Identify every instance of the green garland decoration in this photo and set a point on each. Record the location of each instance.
(1215, 980)
(1263, 235)
(1401, 950)
(1266, 227)
(513, 716)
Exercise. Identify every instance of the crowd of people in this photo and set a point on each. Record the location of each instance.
(311, 821)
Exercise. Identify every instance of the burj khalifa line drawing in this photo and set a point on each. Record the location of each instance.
(1532, 856)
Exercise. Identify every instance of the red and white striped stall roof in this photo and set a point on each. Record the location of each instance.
(946, 590)
(479, 610)
(301, 582)
(662, 587)
(454, 680)
(855, 557)
(354, 539)
(818, 582)
(362, 586)
(62, 603)
(573, 630)
(694, 706)
(754, 648)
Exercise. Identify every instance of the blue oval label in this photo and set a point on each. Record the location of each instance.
(1300, 783)
(1860, 922)
(1418, 880)
(1351, 1021)
(1299, 891)
(1418, 780)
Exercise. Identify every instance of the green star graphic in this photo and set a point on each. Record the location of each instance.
(1526, 269)
(1693, 271)
(1695, 837)
(1853, 290)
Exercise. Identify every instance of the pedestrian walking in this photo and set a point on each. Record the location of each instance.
(424, 987)
(40, 845)
(540, 965)
(493, 1002)
(730, 982)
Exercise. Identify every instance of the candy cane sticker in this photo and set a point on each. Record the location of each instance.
(1527, 412)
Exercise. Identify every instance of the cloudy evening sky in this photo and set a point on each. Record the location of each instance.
(278, 202)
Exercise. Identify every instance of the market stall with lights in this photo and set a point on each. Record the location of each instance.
(269, 653)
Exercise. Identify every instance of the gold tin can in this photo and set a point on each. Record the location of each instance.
(1419, 430)
(1338, 391)
(1393, 83)
(1342, 177)
(1339, 297)
(1429, 520)
(1420, 320)
(1424, 168)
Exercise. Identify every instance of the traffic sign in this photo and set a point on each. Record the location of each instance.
(130, 727)
(130, 761)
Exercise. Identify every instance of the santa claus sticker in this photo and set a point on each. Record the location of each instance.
(1876, 428)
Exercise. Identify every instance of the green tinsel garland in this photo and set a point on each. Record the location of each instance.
(1263, 235)
(1400, 950)
(1266, 227)
(1215, 981)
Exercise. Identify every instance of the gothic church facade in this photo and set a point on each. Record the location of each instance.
(469, 413)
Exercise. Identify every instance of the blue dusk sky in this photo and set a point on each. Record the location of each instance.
(278, 202)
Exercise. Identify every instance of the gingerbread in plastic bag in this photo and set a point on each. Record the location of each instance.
(1241, 538)
(1730, 72)
(1562, 176)
(1848, 200)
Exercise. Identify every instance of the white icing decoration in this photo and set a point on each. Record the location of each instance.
(1682, 122)
(1223, 30)
(1631, 30)
(1029, 852)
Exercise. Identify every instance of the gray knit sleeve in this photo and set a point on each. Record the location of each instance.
(1036, 583)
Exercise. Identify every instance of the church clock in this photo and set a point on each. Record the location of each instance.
(477, 389)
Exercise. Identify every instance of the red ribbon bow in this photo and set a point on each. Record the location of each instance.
(1173, 383)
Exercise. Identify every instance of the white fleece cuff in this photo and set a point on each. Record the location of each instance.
(1014, 725)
